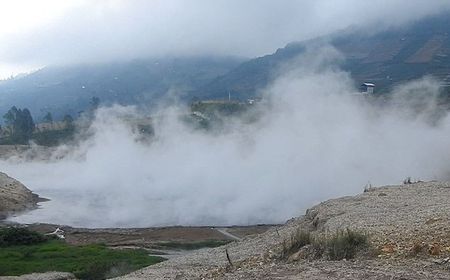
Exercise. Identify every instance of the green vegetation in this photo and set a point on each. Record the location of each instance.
(53, 137)
(134, 82)
(24, 251)
(296, 241)
(20, 128)
(68, 120)
(214, 113)
(192, 245)
(218, 108)
(44, 138)
(344, 244)
(21, 124)
(20, 236)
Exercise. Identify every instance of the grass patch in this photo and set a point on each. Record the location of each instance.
(344, 244)
(86, 262)
(296, 241)
(191, 245)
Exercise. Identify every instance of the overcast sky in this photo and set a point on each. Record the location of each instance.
(38, 33)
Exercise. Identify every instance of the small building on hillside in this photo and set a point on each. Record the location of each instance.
(367, 88)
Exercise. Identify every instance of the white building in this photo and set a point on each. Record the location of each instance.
(367, 88)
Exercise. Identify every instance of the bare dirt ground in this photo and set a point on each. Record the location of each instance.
(408, 225)
(152, 238)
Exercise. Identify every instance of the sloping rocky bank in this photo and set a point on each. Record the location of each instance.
(15, 197)
(408, 228)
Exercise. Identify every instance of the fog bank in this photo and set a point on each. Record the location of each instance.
(81, 31)
(316, 139)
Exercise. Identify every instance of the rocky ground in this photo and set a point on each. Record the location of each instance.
(408, 227)
(15, 197)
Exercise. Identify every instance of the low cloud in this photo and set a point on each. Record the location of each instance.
(315, 139)
(120, 30)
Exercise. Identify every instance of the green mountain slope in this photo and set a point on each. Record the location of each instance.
(385, 58)
(69, 89)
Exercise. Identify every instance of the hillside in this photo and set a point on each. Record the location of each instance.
(69, 89)
(385, 58)
(407, 227)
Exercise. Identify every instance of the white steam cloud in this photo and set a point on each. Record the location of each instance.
(315, 140)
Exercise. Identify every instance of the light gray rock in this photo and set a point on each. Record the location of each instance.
(14, 196)
(41, 276)
(395, 218)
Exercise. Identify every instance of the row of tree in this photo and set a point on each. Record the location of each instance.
(48, 118)
(21, 124)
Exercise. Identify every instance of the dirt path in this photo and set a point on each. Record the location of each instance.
(225, 232)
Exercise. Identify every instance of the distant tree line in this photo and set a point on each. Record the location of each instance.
(21, 127)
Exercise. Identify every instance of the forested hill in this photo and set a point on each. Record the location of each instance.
(69, 89)
(385, 58)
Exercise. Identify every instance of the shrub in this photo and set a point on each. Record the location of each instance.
(345, 244)
(94, 271)
(19, 236)
(295, 242)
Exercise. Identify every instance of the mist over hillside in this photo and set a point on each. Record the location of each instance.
(311, 135)
(307, 144)
(69, 89)
(386, 58)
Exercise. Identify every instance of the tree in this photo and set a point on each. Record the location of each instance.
(21, 123)
(48, 118)
(11, 116)
(25, 124)
(68, 121)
